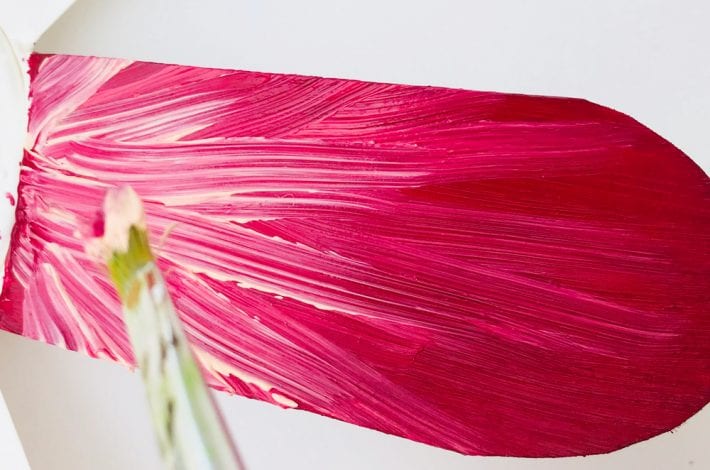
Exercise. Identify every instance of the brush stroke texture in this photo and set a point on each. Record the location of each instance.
(490, 273)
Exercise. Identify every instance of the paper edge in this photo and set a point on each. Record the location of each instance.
(22, 27)
(11, 450)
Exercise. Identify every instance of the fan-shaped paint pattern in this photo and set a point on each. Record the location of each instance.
(489, 273)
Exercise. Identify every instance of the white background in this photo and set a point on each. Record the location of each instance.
(646, 58)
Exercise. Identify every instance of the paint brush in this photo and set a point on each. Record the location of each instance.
(189, 428)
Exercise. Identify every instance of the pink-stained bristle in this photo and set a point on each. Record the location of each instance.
(494, 274)
(123, 209)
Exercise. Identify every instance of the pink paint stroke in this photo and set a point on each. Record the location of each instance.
(490, 273)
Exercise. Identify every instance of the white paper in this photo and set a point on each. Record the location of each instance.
(13, 122)
(12, 457)
(24, 21)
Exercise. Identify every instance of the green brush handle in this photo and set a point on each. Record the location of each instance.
(190, 431)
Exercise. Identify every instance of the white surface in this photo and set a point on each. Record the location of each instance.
(25, 21)
(648, 58)
(13, 123)
(11, 453)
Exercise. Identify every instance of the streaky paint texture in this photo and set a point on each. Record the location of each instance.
(490, 273)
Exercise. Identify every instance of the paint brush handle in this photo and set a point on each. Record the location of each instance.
(189, 428)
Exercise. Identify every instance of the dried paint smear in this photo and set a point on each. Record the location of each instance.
(488, 273)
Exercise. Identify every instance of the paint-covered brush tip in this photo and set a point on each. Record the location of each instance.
(122, 210)
(124, 242)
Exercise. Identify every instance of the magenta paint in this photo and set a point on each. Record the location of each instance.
(490, 273)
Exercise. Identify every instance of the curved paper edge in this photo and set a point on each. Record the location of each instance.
(22, 25)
